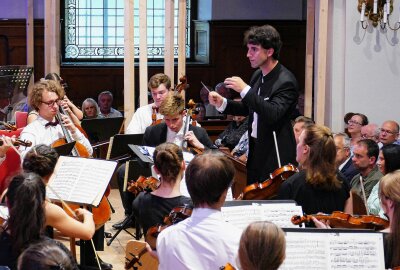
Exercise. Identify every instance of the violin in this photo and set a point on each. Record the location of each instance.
(8, 126)
(176, 215)
(340, 219)
(19, 142)
(143, 184)
(182, 85)
(269, 188)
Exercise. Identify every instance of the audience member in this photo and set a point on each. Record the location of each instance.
(370, 131)
(233, 132)
(388, 161)
(204, 240)
(300, 123)
(344, 161)
(150, 208)
(241, 150)
(389, 133)
(318, 187)
(105, 100)
(365, 156)
(262, 246)
(354, 127)
(159, 85)
(346, 119)
(90, 109)
(46, 255)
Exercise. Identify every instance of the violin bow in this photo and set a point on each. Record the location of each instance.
(277, 150)
(73, 213)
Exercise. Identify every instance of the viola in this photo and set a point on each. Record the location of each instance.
(270, 187)
(8, 126)
(143, 184)
(154, 120)
(19, 142)
(340, 219)
(191, 115)
(176, 215)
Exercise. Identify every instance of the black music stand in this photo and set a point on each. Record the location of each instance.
(65, 149)
(119, 149)
(101, 129)
(14, 80)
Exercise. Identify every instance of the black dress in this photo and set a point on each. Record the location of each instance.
(314, 199)
(150, 209)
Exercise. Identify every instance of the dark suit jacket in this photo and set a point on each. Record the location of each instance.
(155, 135)
(349, 171)
(274, 105)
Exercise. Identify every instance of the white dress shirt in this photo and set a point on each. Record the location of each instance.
(202, 241)
(176, 137)
(37, 133)
(142, 119)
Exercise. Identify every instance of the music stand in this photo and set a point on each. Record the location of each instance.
(101, 129)
(65, 149)
(119, 150)
(13, 81)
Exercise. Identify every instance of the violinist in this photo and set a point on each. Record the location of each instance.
(45, 98)
(42, 159)
(151, 207)
(203, 240)
(172, 129)
(318, 187)
(26, 223)
(262, 246)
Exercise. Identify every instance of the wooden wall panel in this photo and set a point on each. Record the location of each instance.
(227, 58)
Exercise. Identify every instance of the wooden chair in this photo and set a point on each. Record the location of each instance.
(137, 255)
(358, 204)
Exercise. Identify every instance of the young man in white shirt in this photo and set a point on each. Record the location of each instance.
(204, 240)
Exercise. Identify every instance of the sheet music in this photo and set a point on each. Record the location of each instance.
(278, 213)
(80, 180)
(336, 250)
(149, 151)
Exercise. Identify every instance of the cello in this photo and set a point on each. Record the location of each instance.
(102, 213)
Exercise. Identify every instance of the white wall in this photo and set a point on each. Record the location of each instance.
(364, 68)
(16, 9)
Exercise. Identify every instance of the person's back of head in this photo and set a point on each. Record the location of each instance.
(262, 246)
(40, 159)
(168, 158)
(45, 255)
(208, 176)
(25, 200)
(391, 154)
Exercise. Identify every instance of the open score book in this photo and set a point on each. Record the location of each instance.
(80, 180)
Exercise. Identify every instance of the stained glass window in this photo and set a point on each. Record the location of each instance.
(93, 30)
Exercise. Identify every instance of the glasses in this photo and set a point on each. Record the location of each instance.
(381, 130)
(51, 102)
(352, 122)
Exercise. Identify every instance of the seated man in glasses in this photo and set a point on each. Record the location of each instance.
(45, 99)
(370, 131)
(389, 133)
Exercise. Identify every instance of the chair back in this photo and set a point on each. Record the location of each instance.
(21, 119)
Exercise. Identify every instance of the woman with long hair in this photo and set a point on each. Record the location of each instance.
(25, 197)
(389, 193)
(317, 187)
(91, 109)
(151, 207)
(388, 161)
